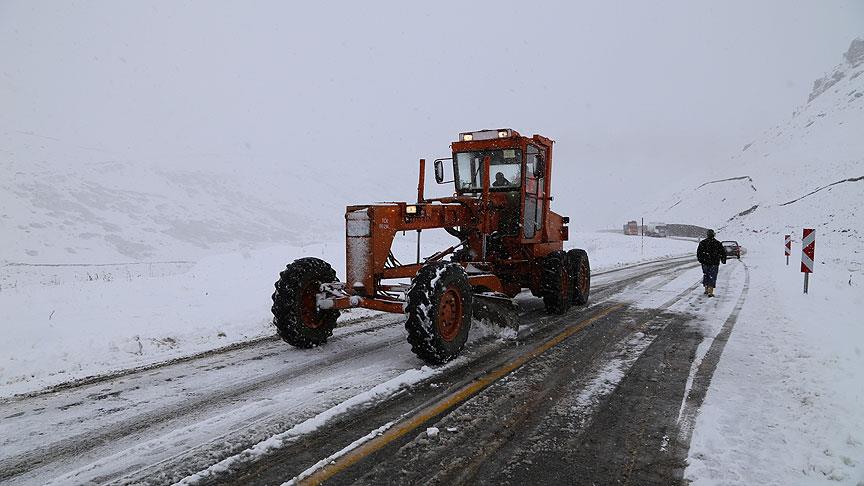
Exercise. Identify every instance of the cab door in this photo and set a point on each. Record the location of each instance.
(532, 211)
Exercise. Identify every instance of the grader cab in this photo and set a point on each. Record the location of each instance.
(507, 240)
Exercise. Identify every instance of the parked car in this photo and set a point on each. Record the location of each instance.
(733, 249)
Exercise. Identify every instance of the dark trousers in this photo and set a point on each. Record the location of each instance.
(709, 275)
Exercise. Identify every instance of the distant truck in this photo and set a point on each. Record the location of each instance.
(657, 230)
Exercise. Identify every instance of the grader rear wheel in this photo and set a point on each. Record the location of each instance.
(555, 283)
(296, 315)
(580, 270)
(439, 312)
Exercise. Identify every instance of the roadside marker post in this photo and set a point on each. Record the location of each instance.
(788, 248)
(808, 253)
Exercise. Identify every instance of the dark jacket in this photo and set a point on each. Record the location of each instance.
(710, 252)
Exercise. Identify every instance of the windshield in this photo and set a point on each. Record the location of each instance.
(505, 166)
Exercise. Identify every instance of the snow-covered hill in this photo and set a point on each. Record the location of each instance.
(806, 172)
(115, 211)
(810, 170)
(710, 203)
(61, 203)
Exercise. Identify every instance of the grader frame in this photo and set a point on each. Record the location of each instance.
(508, 239)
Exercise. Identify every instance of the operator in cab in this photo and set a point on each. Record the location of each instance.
(501, 181)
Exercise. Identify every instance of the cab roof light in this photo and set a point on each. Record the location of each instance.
(486, 134)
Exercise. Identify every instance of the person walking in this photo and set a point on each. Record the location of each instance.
(710, 253)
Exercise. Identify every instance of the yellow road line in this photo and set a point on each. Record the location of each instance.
(445, 404)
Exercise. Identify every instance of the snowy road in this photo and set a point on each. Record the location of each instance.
(168, 423)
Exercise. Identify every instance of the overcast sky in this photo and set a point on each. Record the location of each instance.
(634, 93)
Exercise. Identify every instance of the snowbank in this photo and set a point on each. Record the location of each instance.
(784, 406)
(64, 323)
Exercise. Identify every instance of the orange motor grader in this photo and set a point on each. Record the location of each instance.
(508, 240)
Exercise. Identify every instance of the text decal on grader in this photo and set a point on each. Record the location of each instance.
(508, 240)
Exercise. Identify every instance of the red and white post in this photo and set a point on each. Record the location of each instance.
(808, 253)
(788, 245)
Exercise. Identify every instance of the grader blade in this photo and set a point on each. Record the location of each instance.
(496, 309)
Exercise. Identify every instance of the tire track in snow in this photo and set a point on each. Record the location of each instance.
(702, 377)
(36, 458)
(613, 364)
(417, 418)
(92, 380)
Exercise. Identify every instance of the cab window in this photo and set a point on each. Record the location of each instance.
(505, 168)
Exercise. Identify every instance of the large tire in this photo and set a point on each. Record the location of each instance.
(439, 312)
(580, 273)
(296, 315)
(555, 283)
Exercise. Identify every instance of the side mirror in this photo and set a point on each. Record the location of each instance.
(540, 167)
(439, 171)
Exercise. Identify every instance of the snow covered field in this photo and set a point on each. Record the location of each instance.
(65, 323)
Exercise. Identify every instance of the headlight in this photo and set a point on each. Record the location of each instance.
(467, 137)
(410, 209)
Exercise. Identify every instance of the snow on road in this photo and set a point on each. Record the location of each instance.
(66, 323)
(645, 288)
(658, 294)
(213, 405)
(194, 414)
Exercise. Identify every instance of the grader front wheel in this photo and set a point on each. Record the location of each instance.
(439, 312)
(296, 315)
